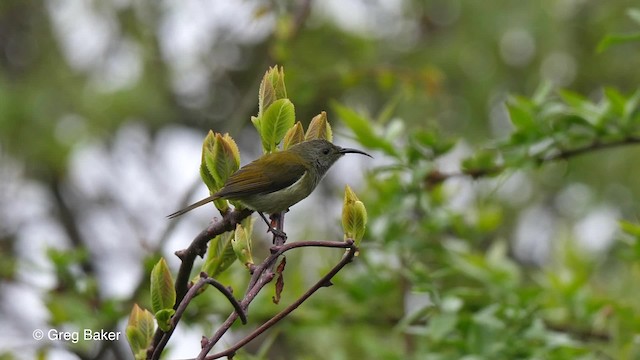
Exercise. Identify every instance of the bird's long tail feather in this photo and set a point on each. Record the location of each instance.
(193, 206)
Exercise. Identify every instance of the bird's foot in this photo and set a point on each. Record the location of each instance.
(277, 232)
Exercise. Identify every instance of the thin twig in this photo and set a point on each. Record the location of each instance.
(262, 275)
(190, 295)
(188, 256)
(436, 177)
(323, 282)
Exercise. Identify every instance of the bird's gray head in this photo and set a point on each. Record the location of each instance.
(322, 154)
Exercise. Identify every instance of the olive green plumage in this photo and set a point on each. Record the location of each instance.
(277, 181)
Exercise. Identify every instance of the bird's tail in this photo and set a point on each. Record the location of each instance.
(193, 206)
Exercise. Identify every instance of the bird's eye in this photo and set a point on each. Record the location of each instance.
(325, 151)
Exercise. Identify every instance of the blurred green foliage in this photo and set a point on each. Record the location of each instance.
(478, 110)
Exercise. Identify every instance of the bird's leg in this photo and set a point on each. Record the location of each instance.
(271, 226)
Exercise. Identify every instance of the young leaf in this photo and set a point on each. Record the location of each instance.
(276, 121)
(163, 317)
(271, 89)
(220, 255)
(206, 158)
(294, 135)
(363, 130)
(140, 331)
(615, 39)
(266, 93)
(521, 113)
(163, 293)
(226, 158)
(241, 244)
(319, 128)
(354, 216)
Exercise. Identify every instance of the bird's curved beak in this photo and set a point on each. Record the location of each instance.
(353, 151)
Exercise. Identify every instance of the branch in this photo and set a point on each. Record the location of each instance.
(323, 282)
(197, 247)
(263, 274)
(436, 177)
(191, 294)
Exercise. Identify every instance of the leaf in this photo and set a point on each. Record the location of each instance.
(140, 330)
(441, 324)
(207, 157)
(163, 317)
(163, 293)
(220, 255)
(630, 228)
(280, 281)
(363, 130)
(354, 216)
(521, 114)
(582, 107)
(277, 120)
(294, 135)
(255, 120)
(616, 39)
(319, 128)
(266, 93)
(632, 104)
(272, 88)
(226, 158)
(616, 100)
(241, 244)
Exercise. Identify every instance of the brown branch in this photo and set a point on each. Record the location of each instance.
(263, 274)
(188, 256)
(323, 282)
(436, 177)
(190, 295)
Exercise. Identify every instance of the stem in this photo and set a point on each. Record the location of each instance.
(323, 282)
(263, 275)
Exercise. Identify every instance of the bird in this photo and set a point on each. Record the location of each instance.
(278, 180)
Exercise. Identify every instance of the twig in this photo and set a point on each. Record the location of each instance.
(190, 295)
(193, 291)
(188, 256)
(436, 177)
(323, 282)
(263, 274)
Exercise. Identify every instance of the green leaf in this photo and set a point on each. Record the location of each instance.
(241, 244)
(582, 107)
(207, 163)
(615, 39)
(226, 158)
(442, 324)
(319, 128)
(163, 317)
(295, 135)
(631, 105)
(139, 331)
(521, 113)
(276, 121)
(616, 100)
(163, 293)
(354, 216)
(220, 255)
(363, 130)
(630, 228)
(255, 120)
(266, 93)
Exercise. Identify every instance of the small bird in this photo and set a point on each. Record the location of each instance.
(276, 181)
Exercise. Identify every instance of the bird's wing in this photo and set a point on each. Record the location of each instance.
(263, 176)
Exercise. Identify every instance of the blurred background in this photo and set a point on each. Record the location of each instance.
(104, 106)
